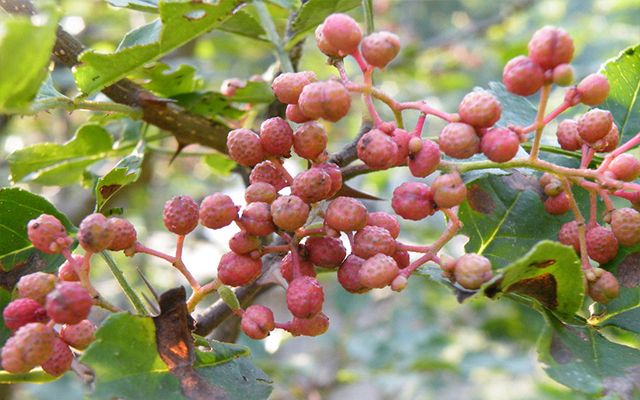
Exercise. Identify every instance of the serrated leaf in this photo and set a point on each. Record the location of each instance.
(165, 82)
(313, 12)
(17, 208)
(220, 163)
(244, 24)
(61, 164)
(181, 23)
(623, 73)
(124, 173)
(516, 110)
(140, 5)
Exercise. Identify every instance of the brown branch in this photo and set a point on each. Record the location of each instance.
(348, 153)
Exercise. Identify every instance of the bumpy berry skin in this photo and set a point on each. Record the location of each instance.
(378, 271)
(413, 201)
(459, 140)
(12, 361)
(377, 150)
(260, 192)
(60, 360)
(568, 235)
(480, 109)
(500, 144)
(380, 48)
(312, 185)
(386, 221)
(557, 205)
(257, 322)
(47, 234)
(625, 167)
(324, 45)
(346, 214)
(593, 89)
(563, 75)
(602, 245)
(594, 125)
(348, 274)
(217, 211)
(625, 224)
(522, 76)
(550, 47)
(449, 190)
(256, 219)
(372, 240)
(286, 267)
(69, 303)
(402, 139)
(305, 297)
(20, 312)
(424, 162)
(605, 288)
(336, 177)
(295, 114)
(95, 234)
(326, 252)
(30, 346)
(268, 172)
(314, 326)
(244, 243)
(288, 86)
(80, 335)
(276, 137)
(329, 100)
(472, 270)
(238, 270)
(180, 215)
(289, 212)
(67, 272)
(342, 33)
(36, 286)
(309, 140)
(124, 234)
(568, 136)
(245, 147)
(609, 142)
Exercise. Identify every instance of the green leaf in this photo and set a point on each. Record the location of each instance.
(124, 173)
(623, 73)
(550, 273)
(244, 24)
(254, 92)
(160, 79)
(313, 12)
(208, 104)
(25, 50)
(61, 164)
(181, 23)
(127, 365)
(516, 110)
(220, 163)
(35, 376)
(287, 4)
(584, 360)
(140, 5)
(17, 208)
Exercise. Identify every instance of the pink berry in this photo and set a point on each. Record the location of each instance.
(288, 86)
(557, 205)
(80, 335)
(286, 267)
(550, 47)
(346, 214)
(378, 271)
(412, 200)
(229, 87)
(625, 167)
(12, 360)
(67, 272)
(334, 174)
(36, 286)
(305, 297)
(459, 140)
(69, 303)
(380, 48)
(342, 33)
(124, 234)
(314, 326)
(217, 211)
(500, 144)
(48, 235)
(472, 271)
(256, 219)
(386, 221)
(426, 160)
(260, 192)
(625, 224)
(568, 235)
(568, 136)
(449, 190)
(402, 139)
(593, 89)
(180, 215)
(563, 75)
(312, 185)
(349, 274)
(60, 360)
(257, 322)
(20, 312)
(329, 100)
(244, 243)
(309, 140)
(268, 172)
(402, 258)
(276, 137)
(609, 142)
(480, 109)
(95, 234)
(594, 125)
(238, 270)
(602, 245)
(377, 150)
(30, 346)
(372, 240)
(522, 76)
(324, 45)
(295, 114)
(245, 147)
(289, 212)
(325, 251)
(605, 288)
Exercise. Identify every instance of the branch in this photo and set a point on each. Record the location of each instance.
(348, 154)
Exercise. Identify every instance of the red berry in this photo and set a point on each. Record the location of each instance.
(372, 240)
(563, 75)
(625, 224)
(568, 235)
(245, 147)
(472, 270)
(48, 235)
(386, 221)
(268, 172)
(402, 139)
(257, 322)
(260, 192)
(244, 243)
(349, 274)
(217, 211)
(314, 326)
(377, 150)
(36, 286)
(312, 185)
(80, 335)
(550, 47)
(324, 45)
(288, 86)
(593, 89)
(412, 200)
(67, 272)
(602, 245)
(380, 48)
(325, 251)
(95, 234)
(335, 174)
(69, 303)
(276, 137)
(500, 144)
(605, 288)
(625, 167)
(124, 234)
(20, 312)
(289, 212)
(449, 190)
(180, 215)
(60, 360)
(594, 125)
(522, 76)
(426, 160)
(229, 87)
(557, 205)
(346, 214)
(295, 114)
(459, 140)
(305, 297)
(609, 142)
(309, 140)
(30, 346)
(402, 257)
(256, 219)
(286, 267)
(342, 33)
(480, 109)
(238, 270)
(378, 271)
(329, 100)
(568, 136)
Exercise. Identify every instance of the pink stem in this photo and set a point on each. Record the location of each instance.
(565, 105)
(275, 249)
(179, 246)
(426, 109)
(417, 131)
(622, 149)
(593, 208)
(283, 171)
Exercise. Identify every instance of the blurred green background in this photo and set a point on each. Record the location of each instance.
(421, 344)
